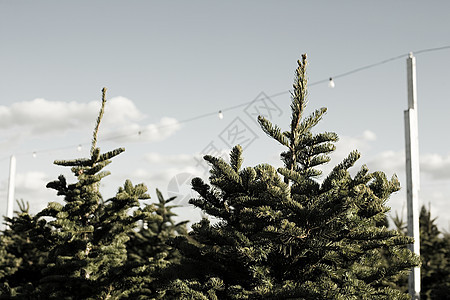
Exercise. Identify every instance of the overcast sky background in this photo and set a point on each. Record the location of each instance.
(171, 66)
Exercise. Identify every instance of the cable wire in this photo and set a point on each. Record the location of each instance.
(195, 118)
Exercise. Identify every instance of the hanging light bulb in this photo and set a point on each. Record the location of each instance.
(220, 115)
(34, 154)
(331, 83)
(79, 148)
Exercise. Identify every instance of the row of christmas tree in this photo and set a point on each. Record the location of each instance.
(282, 233)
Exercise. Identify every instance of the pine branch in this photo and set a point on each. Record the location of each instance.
(222, 168)
(110, 154)
(236, 158)
(273, 131)
(309, 122)
(82, 162)
(337, 170)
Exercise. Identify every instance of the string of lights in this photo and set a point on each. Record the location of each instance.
(220, 113)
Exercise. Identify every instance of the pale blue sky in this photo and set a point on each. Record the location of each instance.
(180, 60)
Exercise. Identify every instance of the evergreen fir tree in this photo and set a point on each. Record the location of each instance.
(343, 216)
(152, 237)
(22, 254)
(227, 260)
(149, 246)
(435, 256)
(87, 256)
(283, 234)
(88, 248)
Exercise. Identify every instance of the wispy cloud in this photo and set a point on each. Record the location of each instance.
(135, 132)
(122, 120)
(346, 144)
(164, 176)
(42, 116)
(31, 181)
(31, 187)
(178, 159)
(390, 162)
(435, 165)
(121, 110)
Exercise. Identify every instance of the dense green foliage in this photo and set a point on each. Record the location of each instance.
(22, 253)
(153, 236)
(283, 234)
(82, 249)
(435, 254)
(435, 257)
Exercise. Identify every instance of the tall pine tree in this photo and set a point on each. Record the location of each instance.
(341, 215)
(435, 256)
(87, 256)
(284, 234)
(88, 247)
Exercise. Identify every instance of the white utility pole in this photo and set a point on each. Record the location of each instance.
(412, 173)
(11, 187)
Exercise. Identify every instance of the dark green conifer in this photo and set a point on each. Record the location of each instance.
(152, 236)
(341, 215)
(88, 247)
(228, 259)
(435, 254)
(292, 236)
(149, 246)
(22, 254)
(435, 257)
(87, 258)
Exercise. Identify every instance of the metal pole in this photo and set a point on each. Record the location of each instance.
(412, 173)
(11, 187)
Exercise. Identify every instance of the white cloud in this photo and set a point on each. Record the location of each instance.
(31, 181)
(134, 132)
(346, 144)
(389, 162)
(41, 117)
(165, 128)
(184, 159)
(120, 110)
(435, 165)
(369, 136)
(431, 164)
(31, 187)
(154, 157)
(165, 175)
